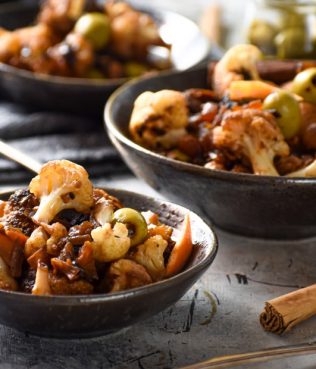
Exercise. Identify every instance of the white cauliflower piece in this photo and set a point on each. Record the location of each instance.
(103, 211)
(110, 244)
(37, 240)
(238, 61)
(61, 185)
(150, 255)
(159, 118)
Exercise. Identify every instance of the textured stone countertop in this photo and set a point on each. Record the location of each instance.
(219, 315)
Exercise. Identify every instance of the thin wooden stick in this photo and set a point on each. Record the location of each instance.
(230, 361)
(12, 153)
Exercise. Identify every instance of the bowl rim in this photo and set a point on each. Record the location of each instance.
(112, 128)
(133, 292)
(90, 82)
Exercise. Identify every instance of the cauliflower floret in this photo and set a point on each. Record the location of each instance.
(238, 62)
(60, 15)
(82, 56)
(110, 244)
(125, 274)
(253, 134)
(61, 185)
(132, 32)
(36, 241)
(37, 39)
(150, 255)
(103, 211)
(159, 119)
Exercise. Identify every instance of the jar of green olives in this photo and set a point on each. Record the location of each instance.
(282, 28)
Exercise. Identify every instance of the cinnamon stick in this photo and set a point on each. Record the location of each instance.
(284, 312)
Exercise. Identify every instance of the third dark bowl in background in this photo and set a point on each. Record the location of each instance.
(83, 95)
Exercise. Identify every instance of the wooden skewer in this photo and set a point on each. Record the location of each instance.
(14, 154)
(231, 361)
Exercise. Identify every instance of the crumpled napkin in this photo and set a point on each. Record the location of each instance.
(49, 135)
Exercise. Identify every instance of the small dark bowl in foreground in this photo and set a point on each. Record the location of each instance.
(94, 315)
(83, 95)
(257, 206)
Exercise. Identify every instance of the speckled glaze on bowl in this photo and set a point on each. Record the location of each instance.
(83, 95)
(95, 315)
(256, 206)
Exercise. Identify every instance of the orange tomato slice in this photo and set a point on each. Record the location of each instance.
(181, 251)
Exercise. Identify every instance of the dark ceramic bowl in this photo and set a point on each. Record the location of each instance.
(82, 95)
(257, 206)
(94, 315)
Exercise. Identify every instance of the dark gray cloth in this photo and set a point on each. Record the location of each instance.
(48, 135)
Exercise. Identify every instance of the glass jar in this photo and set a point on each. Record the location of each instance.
(286, 29)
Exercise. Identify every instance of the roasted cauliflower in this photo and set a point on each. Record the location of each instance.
(36, 241)
(252, 134)
(159, 119)
(150, 255)
(61, 185)
(125, 274)
(103, 211)
(132, 32)
(60, 15)
(110, 243)
(237, 64)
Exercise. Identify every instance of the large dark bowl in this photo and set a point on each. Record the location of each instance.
(258, 206)
(82, 95)
(93, 315)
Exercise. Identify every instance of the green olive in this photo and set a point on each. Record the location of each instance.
(286, 110)
(134, 222)
(290, 18)
(261, 34)
(133, 69)
(290, 43)
(95, 27)
(304, 84)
